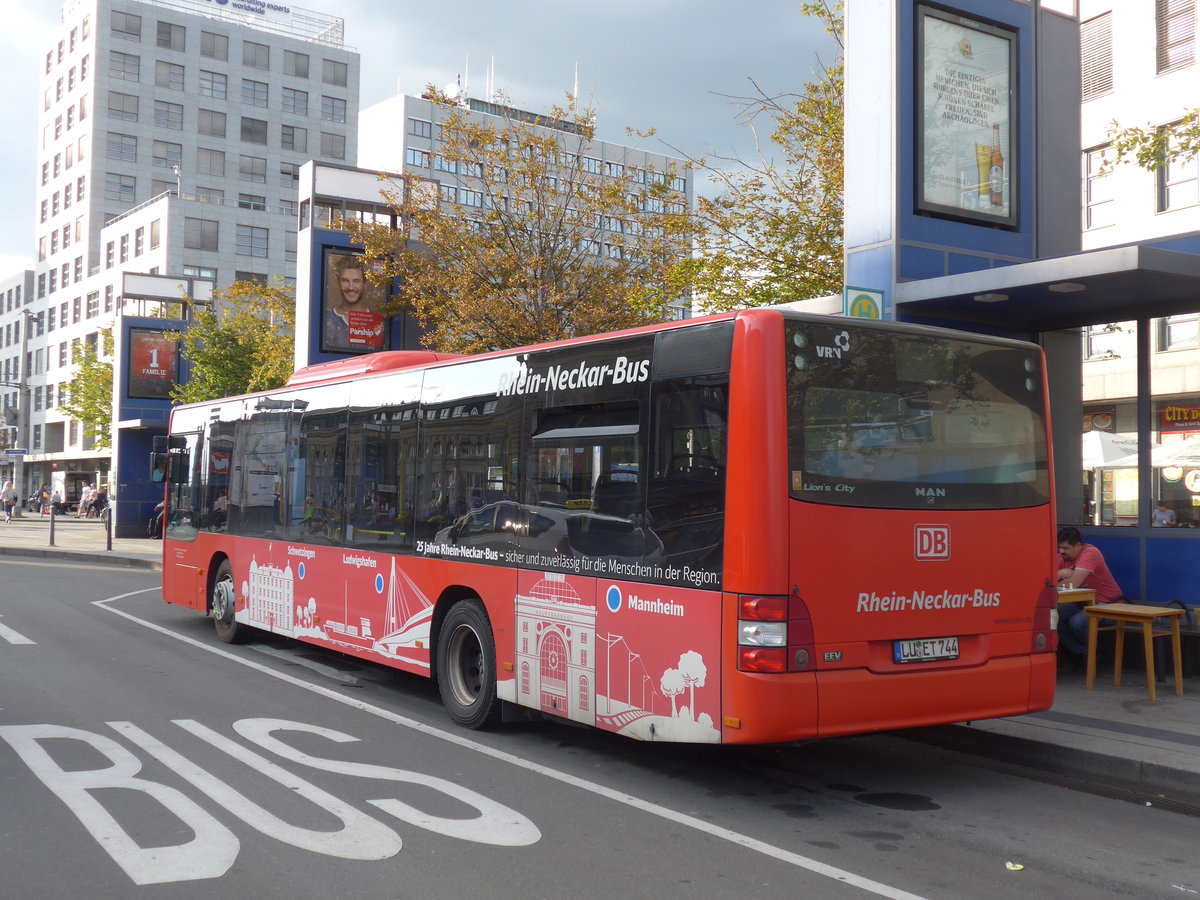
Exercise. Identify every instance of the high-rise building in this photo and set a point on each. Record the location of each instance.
(171, 135)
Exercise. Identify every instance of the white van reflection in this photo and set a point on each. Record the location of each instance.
(551, 530)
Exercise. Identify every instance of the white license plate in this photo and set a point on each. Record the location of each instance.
(925, 649)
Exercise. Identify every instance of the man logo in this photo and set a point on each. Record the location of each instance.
(933, 542)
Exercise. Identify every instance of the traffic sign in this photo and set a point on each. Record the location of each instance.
(862, 303)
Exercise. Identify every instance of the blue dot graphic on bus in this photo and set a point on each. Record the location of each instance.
(300, 571)
(379, 583)
(613, 598)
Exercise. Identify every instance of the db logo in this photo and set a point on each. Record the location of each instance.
(933, 542)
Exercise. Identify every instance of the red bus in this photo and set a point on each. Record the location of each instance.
(752, 527)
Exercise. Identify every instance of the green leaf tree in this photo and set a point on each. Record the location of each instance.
(243, 342)
(89, 399)
(540, 240)
(773, 232)
(1152, 146)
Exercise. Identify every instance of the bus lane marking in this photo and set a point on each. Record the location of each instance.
(14, 637)
(649, 807)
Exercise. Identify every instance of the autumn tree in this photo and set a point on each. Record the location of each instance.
(530, 236)
(773, 232)
(243, 342)
(89, 399)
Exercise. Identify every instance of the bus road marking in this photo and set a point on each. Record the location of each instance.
(14, 637)
(650, 808)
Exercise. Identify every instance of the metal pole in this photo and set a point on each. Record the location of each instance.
(108, 527)
(52, 506)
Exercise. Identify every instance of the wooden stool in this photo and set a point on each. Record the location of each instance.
(1128, 616)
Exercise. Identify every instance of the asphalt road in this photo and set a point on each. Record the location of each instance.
(139, 757)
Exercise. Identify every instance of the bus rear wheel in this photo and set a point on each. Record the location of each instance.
(466, 666)
(222, 605)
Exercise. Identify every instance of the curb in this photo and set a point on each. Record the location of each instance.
(1069, 762)
(105, 558)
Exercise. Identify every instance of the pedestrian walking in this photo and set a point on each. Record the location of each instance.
(8, 496)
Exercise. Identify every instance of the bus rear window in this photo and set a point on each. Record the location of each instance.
(879, 418)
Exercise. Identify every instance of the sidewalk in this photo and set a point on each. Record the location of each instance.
(1113, 736)
(81, 540)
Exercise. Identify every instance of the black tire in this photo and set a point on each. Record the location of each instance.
(221, 605)
(466, 666)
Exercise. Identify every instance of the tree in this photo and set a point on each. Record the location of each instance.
(1153, 146)
(90, 397)
(694, 672)
(774, 232)
(242, 343)
(672, 685)
(541, 241)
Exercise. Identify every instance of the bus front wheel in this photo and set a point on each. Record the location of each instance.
(466, 666)
(223, 604)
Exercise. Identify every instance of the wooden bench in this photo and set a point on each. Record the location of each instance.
(1135, 617)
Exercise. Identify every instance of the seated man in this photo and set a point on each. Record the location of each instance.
(1081, 566)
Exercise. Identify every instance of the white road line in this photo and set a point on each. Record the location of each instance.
(646, 806)
(14, 637)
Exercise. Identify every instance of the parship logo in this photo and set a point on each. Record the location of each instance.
(613, 598)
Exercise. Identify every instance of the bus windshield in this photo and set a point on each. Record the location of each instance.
(902, 420)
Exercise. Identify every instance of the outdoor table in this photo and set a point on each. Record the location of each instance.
(1127, 616)
(1076, 595)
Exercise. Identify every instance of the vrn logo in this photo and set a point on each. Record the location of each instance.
(932, 542)
(841, 344)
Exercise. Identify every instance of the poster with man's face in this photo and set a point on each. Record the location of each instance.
(350, 303)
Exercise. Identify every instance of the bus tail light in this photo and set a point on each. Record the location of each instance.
(774, 634)
(1045, 622)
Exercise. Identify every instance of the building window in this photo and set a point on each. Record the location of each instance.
(167, 155)
(420, 128)
(168, 75)
(289, 175)
(254, 93)
(293, 138)
(212, 195)
(252, 168)
(415, 157)
(252, 201)
(210, 162)
(213, 84)
(1178, 182)
(155, 229)
(200, 272)
(171, 37)
(333, 109)
(121, 188)
(1179, 332)
(125, 66)
(251, 241)
(211, 122)
(295, 102)
(295, 64)
(1095, 55)
(168, 115)
(333, 72)
(126, 26)
(200, 234)
(124, 256)
(122, 147)
(256, 56)
(470, 198)
(139, 241)
(333, 145)
(214, 46)
(254, 131)
(1175, 32)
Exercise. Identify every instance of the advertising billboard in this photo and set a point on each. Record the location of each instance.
(153, 364)
(350, 304)
(966, 140)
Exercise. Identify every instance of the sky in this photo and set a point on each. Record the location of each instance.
(668, 65)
